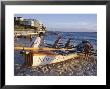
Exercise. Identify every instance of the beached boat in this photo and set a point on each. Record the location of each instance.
(45, 57)
(36, 57)
(42, 56)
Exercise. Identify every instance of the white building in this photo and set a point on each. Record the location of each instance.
(19, 18)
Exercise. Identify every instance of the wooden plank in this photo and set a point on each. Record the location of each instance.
(32, 48)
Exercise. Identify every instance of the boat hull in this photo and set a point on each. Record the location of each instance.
(37, 59)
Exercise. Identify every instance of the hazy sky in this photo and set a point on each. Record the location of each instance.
(66, 22)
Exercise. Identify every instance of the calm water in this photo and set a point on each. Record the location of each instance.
(77, 37)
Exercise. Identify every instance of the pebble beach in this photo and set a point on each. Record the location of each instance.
(71, 67)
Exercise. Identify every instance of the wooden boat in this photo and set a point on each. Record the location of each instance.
(42, 56)
(36, 57)
(45, 58)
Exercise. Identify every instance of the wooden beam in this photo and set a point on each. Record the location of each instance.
(31, 48)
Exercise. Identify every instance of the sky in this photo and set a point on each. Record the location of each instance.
(66, 22)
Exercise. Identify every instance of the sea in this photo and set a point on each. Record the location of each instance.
(77, 37)
(50, 37)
